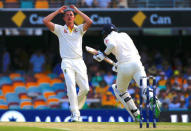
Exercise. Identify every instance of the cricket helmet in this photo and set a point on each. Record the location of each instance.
(108, 28)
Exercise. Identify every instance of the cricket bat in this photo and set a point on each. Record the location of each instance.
(94, 52)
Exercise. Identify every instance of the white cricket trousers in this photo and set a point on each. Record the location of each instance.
(127, 71)
(75, 72)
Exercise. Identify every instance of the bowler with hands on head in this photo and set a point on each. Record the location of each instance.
(70, 45)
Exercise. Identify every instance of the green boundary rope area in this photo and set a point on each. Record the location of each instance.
(16, 128)
(91, 126)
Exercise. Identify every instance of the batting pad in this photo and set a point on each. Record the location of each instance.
(117, 94)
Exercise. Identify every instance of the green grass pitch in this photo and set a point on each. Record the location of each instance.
(90, 126)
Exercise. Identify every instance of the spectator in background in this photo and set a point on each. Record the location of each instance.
(163, 97)
(108, 100)
(92, 70)
(57, 69)
(183, 105)
(188, 101)
(50, 57)
(144, 56)
(158, 59)
(189, 104)
(95, 4)
(132, 88)
(37, 62)
(164, 106)
(187, 85)
(109, 78)
(167, 69)
(162, 81)
(96, 79)
(175, 104)
(101, 89)
(20, 59)
(103, 3)
(177, 79)
(6, 61)
(152, 70)
(168, 87)
(70, 2)
(171, 94)
(176, 86)
(82, 4)
(122, 4)
(24, 58)
(181, 95)
(88, 3)
(113, 4)
(188, 72)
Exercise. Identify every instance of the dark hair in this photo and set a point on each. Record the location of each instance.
(68, 9)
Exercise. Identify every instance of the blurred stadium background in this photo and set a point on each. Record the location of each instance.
(32, 86)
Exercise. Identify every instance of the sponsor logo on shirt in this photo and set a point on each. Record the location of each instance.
(76, 30)
(106, 41)
(65, 71)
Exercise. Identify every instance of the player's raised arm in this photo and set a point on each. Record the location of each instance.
(88, 21)
(47, 19)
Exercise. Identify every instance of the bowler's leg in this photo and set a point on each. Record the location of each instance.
(69, 76)
(82, 82)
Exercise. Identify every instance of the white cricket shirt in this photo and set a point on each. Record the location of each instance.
(122, 46)
(70, 43)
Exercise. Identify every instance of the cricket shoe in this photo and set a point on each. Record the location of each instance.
(75, 118)
(157, 108)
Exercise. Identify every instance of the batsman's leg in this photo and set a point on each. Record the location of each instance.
(128, 103)
(124, 76)
(141, 74)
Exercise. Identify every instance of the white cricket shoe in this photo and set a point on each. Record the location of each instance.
(75, 118)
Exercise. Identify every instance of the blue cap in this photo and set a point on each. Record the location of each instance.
(108, 28)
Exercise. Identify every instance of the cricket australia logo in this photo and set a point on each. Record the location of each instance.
(76, 30)
(12, 116)
(65, 71)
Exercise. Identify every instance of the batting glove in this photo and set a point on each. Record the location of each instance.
(114, 68)
(99, 57)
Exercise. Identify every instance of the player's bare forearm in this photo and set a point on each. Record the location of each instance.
(88, 21)
(47, 20)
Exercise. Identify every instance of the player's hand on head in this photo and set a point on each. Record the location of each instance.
(61, 9)
(99, 57)
(74, 8)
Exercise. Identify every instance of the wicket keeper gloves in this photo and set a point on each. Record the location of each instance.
(99, 57)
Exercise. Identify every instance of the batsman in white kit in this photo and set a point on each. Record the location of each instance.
(128, 67)
(70, 45)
